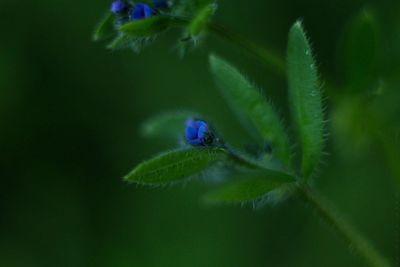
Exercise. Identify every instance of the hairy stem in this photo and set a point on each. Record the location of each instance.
(351, 236)
(360, 244)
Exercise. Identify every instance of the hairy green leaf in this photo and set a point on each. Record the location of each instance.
(175, 166)
(360, 52)
(168, 125)
(146, 27)
(305, 99)
(200, 21)
(249, 188)
(245, 99)
(105, 28)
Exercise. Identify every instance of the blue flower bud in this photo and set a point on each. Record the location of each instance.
(119, 7)
(198, 133)
(161, 4)
(141, 11)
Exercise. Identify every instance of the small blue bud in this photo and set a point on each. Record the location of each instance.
(141, 11)
(161, 4)
(119, 7)
(198, 133)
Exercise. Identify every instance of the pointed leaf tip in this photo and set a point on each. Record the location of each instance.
(105, 28)
(175, 166)
(305, 99)
(200, 21)
(146, 27)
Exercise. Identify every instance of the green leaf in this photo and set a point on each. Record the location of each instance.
(249, 188)
(120, 42)
(105, 28)
(200, 21)
(267, 167)
(189, 8)
(305, 99)
(146, 27)
(360, 52)
(245, 99)
(168, 125)
(175, 166)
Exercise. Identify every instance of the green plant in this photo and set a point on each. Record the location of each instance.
(276, 171)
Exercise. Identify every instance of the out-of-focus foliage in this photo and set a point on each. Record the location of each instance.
(360, 52)
(253, 187)
(168, 125)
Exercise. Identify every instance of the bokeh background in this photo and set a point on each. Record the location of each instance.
(70, 111)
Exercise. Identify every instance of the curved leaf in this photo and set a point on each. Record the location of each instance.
(188, 8)
(119, 42)
(105, 28)
(305, 99)
(267, 167)
(250, 106)
(175, 166)
(199, 23)
(248, 188)
(146, 27)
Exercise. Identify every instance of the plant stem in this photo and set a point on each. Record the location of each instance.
(270, 58)
(267, 56)
(350, 235)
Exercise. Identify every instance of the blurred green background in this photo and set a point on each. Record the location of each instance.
(70, 111)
